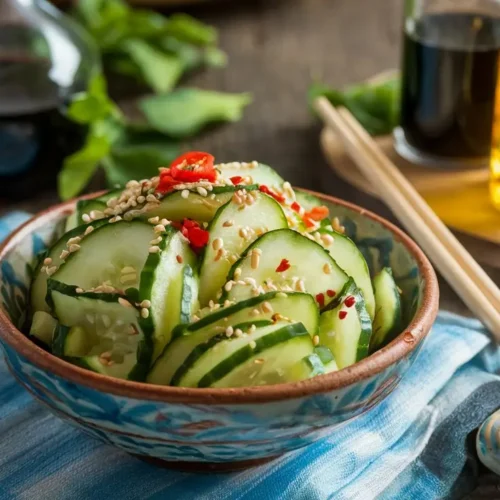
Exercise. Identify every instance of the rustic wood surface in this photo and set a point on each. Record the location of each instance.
(276, 48)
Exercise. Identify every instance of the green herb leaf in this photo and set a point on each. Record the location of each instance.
(139, 161)
(189, 29)
(185, 112)
(79, 167)
(161, 71)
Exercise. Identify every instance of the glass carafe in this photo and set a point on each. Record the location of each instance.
(45, 58)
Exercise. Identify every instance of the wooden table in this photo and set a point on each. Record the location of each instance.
(276, 48)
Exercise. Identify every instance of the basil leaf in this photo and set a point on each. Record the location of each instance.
(79, 167)
(185, 112)
(138, 161)
(161, 71)
(189, 29)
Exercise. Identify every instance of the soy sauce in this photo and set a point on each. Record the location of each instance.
(449, 82)
(35, 135)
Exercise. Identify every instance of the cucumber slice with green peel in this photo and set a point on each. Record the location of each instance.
(235, 229)
(43, 327)
(38, 290)
(259, 173)
(307, 201)
(169, 284)
(308, 367)
(311, 267)
(109, 322)
(107, 254)
(388, 322)
(346, 328)
(174, 206)
(300, 307)
(351, 260)
(115, 369)
(273, 365)
(212, 361)
(72, 342)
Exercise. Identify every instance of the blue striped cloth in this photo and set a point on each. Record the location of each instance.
(412, 446)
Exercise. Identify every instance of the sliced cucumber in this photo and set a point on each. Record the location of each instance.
(311, 266)
(72, 342)
(265, 214)
(388, 322)
(43, 327)
(258, 172)
(211, 362)
(308, 367)
(106, 253)
(113, 369)
(105, 323)
(300, 307)
(346, 328)
(38, 290)
(175, 207)
(169, 284)
(351, 260)
(307, 201)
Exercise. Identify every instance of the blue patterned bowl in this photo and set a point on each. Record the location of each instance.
(216, 428)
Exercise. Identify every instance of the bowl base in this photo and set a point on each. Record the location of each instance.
(206, 467)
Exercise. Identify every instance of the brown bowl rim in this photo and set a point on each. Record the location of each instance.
(370, 366)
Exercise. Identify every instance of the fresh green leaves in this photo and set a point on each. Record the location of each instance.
(185, 112)
(374, 104)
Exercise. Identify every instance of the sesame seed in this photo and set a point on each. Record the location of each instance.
(145, 312)
(195, 318)
(238, 332)
(258, 361)
(228, 286)
(160, 228)
(254, 312)
(316, 340)
(128, 278)
(250, 281)
(327, 239)
(86, 218)
(237, 272)
(243, 233)
(252, 329)
(78, 290)
(141, 199)
(327, 268)
(300, 286)
(179, 259)
(74, 240)
(212, 196)
(128, 269)
(156, 241)
(241, 282)
(228, 303)
(202, 191)
(185, 194)
(258, 251)
(88, 230)
(154, 220)
(256, 291)
(229, 331)
(254, 259)
(96, 214)
(219, 254)
(132, 184)
(124, 303)
(154, 249)
(277, 317)
(74, 248)
(233, 258)
(114, 219)
(164, 222)
(47, 261)
(267, 307)
(228, 223)
(111, 203)
(253, 344)
(217, 243)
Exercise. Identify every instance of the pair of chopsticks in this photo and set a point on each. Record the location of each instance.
(460, 270)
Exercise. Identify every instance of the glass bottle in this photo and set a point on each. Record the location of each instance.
(45, 58)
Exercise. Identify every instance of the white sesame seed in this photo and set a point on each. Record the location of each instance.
(179, 259)
(96, 214)
(219, 254)
(229, 331)
(327, 239)
(212, 196)
(254, 312)
(228, 303)
(228, 223)
(237, 272)
(154, 249)
(228, 286)
(258, 251)
(164, 222)
(74, 248)
(151, 198)
(202, 191)
(141, 199)
(267, 307)
(300, 286)
(88, 230)
(154, 220)
(250, 281)
(74, 240)
(258, 361)
(217, 243)
(86, 218)
(47, 261)
(316, 340)
(111, 203)
(327, 268)
(78, 290)
(252, 344)
(114, 219)
(145, 312)
(242, 233)
(124, 303)
(156, 241)
(254, 259)
(160, 228)
(185, 194)
(252, 329)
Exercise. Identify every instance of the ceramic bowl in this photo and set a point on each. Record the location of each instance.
(216, 428)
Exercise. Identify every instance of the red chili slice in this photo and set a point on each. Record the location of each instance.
(278, 197)
(295, 207)
(167, 182)
(331, 293)
(284, 265)
(320, 299)
(342, 314)
(350, 301)
(194, 166)
(198, 237)
(236, 179)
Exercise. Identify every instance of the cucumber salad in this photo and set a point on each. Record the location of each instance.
(210, 276)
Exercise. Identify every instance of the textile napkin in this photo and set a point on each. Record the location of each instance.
(417, 444)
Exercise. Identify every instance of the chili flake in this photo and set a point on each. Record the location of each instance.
(236, 179)
(278, 197)
(295, 207)
(316, 214)
(284, 265)
(320, 299)
(331, 293)
(342, 314)
(350, 301)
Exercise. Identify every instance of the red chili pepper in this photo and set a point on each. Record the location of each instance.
(318, 213)
(167, 182)
(190, 223)
(194, 166)
(284, 265)
(295, 207)
(350, 301)
(236, 179)
(278, 197)
(320, 299)
(198, 237)
(331, 293)
(342, 314)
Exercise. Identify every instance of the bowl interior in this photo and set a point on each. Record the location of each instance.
(377, 243)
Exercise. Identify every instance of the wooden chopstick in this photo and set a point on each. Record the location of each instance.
(457, 266)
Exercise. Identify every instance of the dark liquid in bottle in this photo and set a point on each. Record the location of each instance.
(35, 136)
(449, 81)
